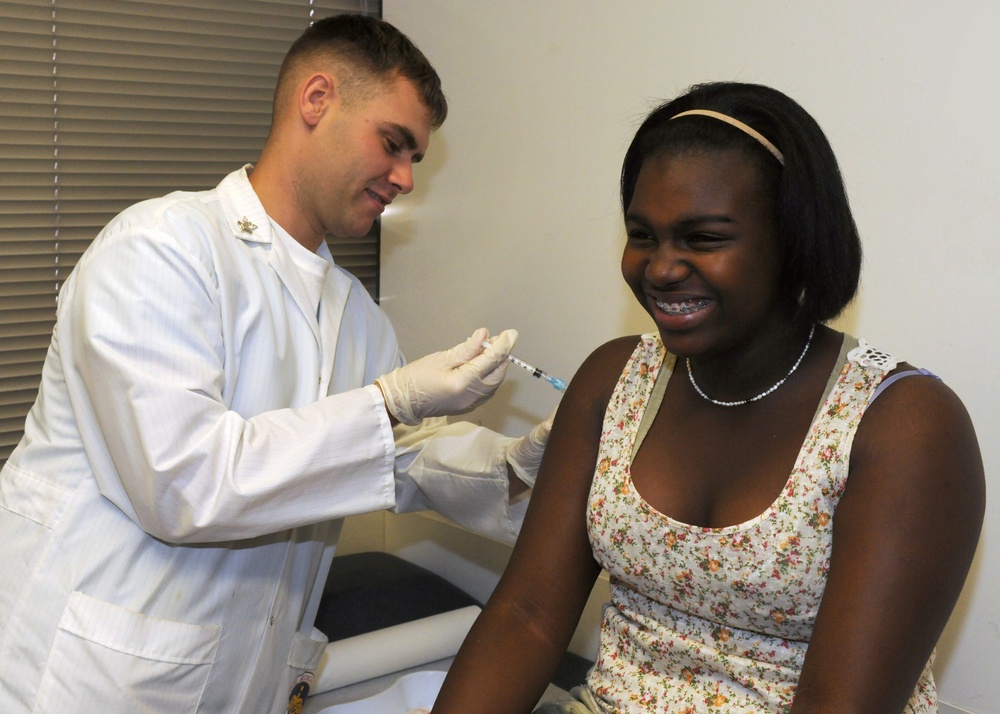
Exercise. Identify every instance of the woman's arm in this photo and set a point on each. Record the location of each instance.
(905, 533)
(516, 643)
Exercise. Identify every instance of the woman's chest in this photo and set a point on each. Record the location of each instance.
(714, 471)
(762, 569)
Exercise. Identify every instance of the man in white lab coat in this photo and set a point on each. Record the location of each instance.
(218, 395)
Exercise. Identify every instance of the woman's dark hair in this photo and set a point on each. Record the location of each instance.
(819, 239)
(374, 49)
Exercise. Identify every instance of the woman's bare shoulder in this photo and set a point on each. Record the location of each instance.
(605, 364)
(582, 409)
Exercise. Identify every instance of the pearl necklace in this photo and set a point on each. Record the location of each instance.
(687, 364)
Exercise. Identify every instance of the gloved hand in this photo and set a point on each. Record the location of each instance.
(451, 382)
(525, 454)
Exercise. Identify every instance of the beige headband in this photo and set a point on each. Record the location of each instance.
(748, 130)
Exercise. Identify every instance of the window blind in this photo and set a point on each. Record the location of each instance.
(104, 103)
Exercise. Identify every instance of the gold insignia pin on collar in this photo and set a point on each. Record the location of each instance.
(246, 225)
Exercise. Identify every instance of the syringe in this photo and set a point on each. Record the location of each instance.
(535, 372)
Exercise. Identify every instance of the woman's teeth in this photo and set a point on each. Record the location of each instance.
(681, 308)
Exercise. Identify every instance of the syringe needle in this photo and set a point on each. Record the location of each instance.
(535, 372)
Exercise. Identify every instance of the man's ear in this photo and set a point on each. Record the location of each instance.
(316, 96)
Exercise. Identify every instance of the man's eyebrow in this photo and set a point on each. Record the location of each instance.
(408, 139)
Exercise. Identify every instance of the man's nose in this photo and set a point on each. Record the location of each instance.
(401, 176)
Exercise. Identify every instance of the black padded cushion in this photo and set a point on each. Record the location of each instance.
(370, 591)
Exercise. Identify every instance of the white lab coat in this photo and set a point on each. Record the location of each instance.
(167, 522)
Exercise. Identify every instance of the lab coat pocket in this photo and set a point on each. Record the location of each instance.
(303, 661)
(103, 652)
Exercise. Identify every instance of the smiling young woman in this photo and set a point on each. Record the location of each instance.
(705, 465)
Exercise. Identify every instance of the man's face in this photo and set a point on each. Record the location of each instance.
(363, 158)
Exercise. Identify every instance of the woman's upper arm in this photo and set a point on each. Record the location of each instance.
(531, 616)
(553, 540)
(905, 532)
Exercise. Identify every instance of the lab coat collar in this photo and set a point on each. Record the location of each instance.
(249, 222)
(245, 214)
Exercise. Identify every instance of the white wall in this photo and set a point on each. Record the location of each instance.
(515, 220)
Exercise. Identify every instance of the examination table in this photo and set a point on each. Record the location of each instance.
(387, 618)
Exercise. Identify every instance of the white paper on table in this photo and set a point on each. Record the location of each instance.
(413, 693)
(392, 649)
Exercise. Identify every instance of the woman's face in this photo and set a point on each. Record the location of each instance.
(702, 253)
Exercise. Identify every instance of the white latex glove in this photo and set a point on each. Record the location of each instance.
(451, 382)
(525, 454)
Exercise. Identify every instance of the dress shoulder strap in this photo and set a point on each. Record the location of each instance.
(654, 401)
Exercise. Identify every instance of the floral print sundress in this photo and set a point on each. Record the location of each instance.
(719, 619)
